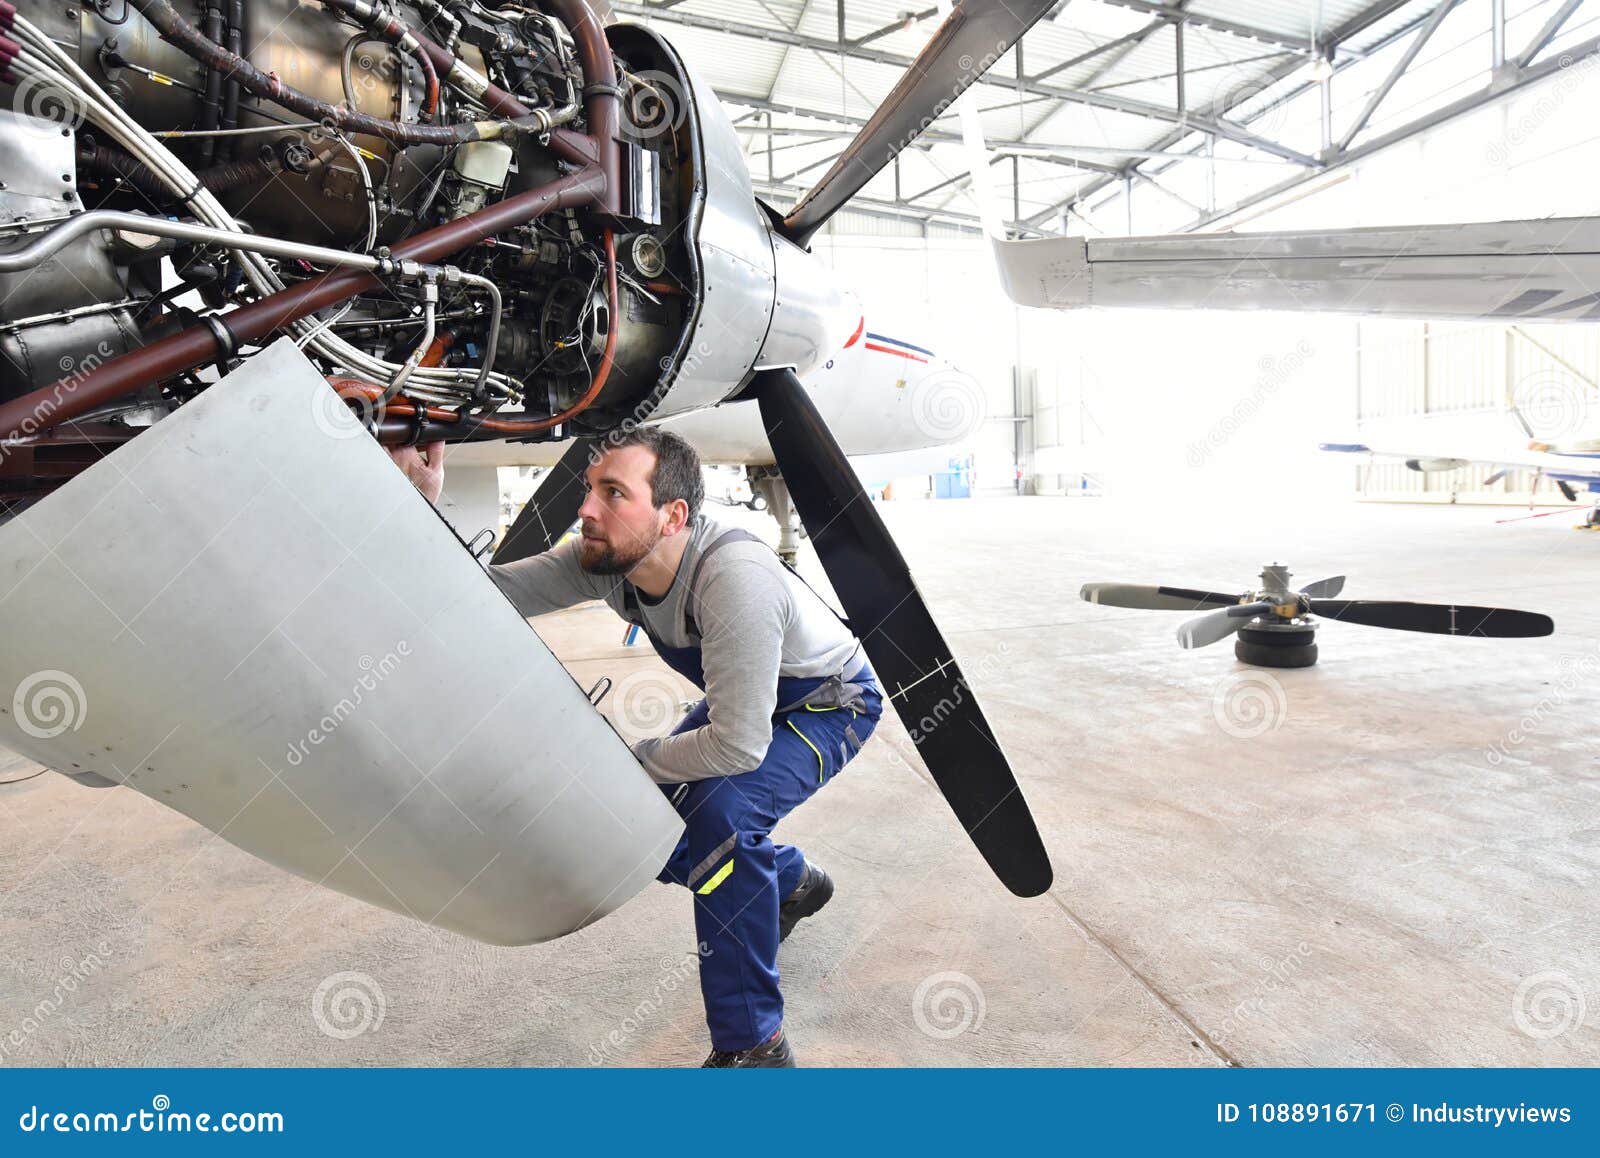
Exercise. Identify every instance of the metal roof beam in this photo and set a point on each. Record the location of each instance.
(1417, 43)
(1275, 55)
(1352, 27)
(1176, 14)
(1272, 76)
(1548, 33)
(891, 28)
(1134, 37)
(1362, 21)
(1063, 155)
(1501, 86)
(1095, 100)
(874, 208)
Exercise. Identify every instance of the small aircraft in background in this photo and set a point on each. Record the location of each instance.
(1573, 466)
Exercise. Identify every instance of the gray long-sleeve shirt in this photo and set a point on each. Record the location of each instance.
(757, 623)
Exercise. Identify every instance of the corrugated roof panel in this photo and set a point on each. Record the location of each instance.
(1082, 125)
(751, 70)
(1223, 72)
(768, 13)
(1285, 17)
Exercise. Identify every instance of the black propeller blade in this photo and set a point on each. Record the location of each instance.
(1438, 618)
(972, 38)
(552, 509)
(1154, 598)
(905, 648)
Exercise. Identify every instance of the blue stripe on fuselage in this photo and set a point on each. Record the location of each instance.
(898, 342)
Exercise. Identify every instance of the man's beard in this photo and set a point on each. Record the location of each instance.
(606, 559)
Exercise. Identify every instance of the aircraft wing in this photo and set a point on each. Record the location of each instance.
(1545, 270)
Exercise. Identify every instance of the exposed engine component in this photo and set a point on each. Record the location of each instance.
(314, 167)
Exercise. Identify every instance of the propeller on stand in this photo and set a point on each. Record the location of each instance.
(1277, 623)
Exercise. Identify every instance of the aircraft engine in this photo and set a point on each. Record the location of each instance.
(642, 285)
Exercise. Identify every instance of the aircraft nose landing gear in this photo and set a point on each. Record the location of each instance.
(769, 484)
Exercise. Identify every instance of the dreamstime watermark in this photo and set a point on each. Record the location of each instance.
(945, 707)
(644, 703)
(1274, 373)
(374, 672)
(45, 110)
(947, 404)
(73, 973)
(1574, 671)
(73, 373)
(1275, 975)
(1549, 1004)
(1571, 77)
(1554, 404)
(656, 105)
(947, 1005)
(48, 703)
(971, 69)
(346, 411)
(1249, 704)
(347, 1005)
(675, 973)
(1241, 93)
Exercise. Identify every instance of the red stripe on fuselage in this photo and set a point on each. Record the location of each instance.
(897, 353)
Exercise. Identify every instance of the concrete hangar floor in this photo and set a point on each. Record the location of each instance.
(1330, 869)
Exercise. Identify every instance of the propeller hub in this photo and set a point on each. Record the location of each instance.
(1275, 580)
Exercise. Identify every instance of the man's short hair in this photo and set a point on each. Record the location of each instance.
(677, 470)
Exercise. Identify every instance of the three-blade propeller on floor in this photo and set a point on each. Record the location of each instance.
(1278, 620)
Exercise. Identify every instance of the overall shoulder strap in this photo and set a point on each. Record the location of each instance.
(734, 535)
(739, 535)
(787, 566)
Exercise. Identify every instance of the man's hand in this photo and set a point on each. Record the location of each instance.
(423, 465)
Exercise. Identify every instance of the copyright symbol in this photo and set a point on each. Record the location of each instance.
(1395, 1111)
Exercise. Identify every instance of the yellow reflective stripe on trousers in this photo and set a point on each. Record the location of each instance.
(820, 765)
(716, 878)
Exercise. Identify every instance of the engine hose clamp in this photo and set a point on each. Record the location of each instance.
(421, 415)
(601, 90)
(227, 344)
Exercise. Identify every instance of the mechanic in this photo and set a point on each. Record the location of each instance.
(789, 700)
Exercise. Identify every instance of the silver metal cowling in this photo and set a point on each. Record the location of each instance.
(217, 639)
